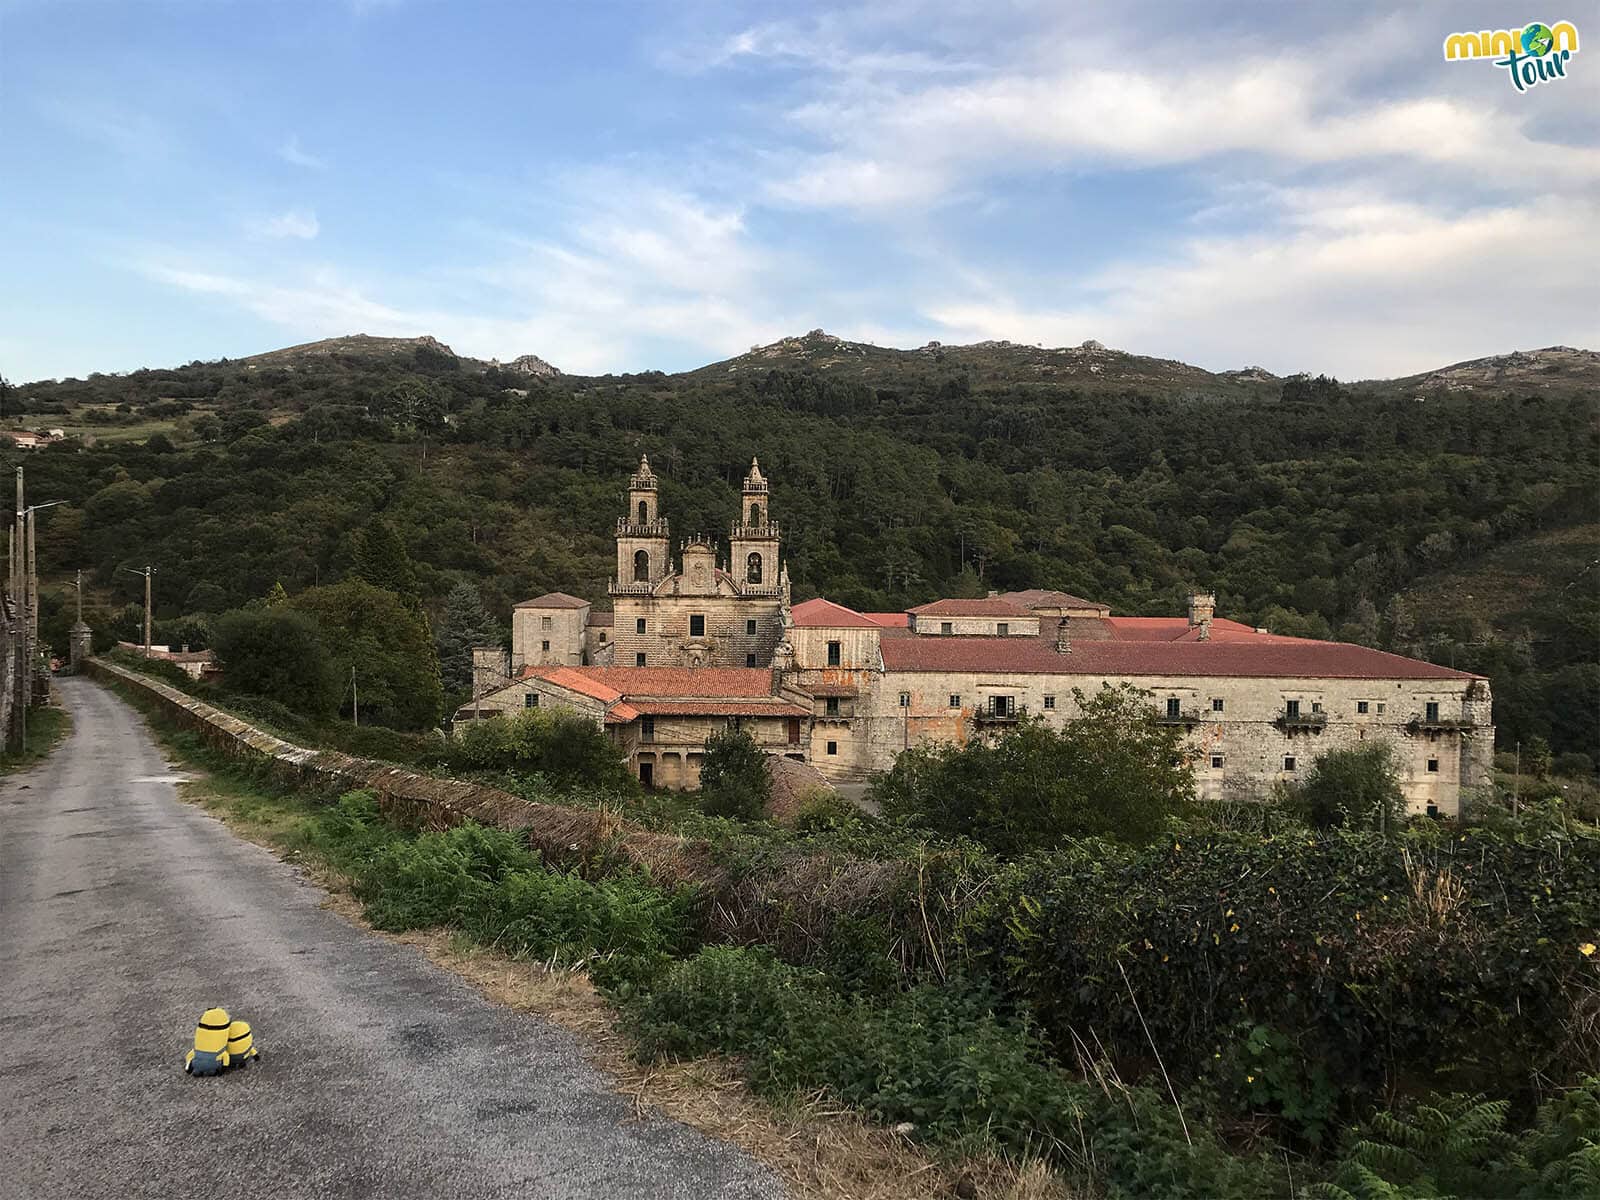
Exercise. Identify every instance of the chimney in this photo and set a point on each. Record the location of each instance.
(1202, 607)
(1063, 639)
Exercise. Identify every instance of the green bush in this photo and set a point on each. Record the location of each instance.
(1353, 788)
(1116, 771)
(279, 654)
(733, 777)
(568, 749)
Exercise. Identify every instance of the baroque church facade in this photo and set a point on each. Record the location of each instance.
(694, 646)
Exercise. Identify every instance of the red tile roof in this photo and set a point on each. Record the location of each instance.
(1178, 629)
(1260, 656)
(825, 614)
(603, 618)
(1045, 598)
(554, 600)
(994, 606)
(897, 620)
(671, 683)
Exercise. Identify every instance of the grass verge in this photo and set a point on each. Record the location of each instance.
(819, 1149)
(47, 728)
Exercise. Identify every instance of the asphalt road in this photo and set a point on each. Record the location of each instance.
(125, 912)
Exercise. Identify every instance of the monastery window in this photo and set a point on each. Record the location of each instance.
(835, 654)
(644, 513)
(1174, 707)
(1316, 706)
(1381, 707)
(1216, 762)
(1288, 762)
(638, 625)
(1003, 706)
(830, 706)
(638, 660)
(1216, 704)
(1433, 765)
(697, 625)
(641, 567)
(905, 699)
(749, 629)
(1002, 629)
(1431, 710)
(749, 660)
(946, 628)
(531, 700)
(1361, 707)
(647, 729)
(545, 646)
(602, 637)
(955, 701)
(752, 569)
(545, 623)
(1291, 709)
(833, 747)
(755, 514)
(1049, 701)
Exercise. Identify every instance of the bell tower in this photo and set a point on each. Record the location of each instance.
(643, 559)
(753, 560)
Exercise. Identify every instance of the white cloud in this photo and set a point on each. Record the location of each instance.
(292, 152)
(125, 130)
(298, 223)
(1345, 283)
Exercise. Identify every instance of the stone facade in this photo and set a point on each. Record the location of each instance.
(707, 613)
(549, 631)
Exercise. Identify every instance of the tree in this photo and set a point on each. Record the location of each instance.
(463, 624)
(733, 776)
(280, 654)
(1354, 788)
(386, 642)
(382, 560)
(1115, 771)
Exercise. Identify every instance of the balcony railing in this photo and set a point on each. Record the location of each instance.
(1426, 724)
(1009, 716)
(629, 528)
(767, 529)
(1312, 722)
(1184, 716)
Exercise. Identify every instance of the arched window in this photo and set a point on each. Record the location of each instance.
(641, 567)
(755, 514)
(752, 569)
(644, 512)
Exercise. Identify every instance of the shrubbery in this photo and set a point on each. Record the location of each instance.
(733, 777)
(1115, 771)
(569, 750)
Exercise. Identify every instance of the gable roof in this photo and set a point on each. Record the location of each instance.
(994, 606)
(554, 600)
(1046, 598)
(630, 692)
(1256, 655)
(897, 620)
(825, 614)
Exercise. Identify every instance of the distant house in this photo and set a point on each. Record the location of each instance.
(26, 439)
(197, 664)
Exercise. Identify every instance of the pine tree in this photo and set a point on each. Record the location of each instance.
(382, 560)
(463, 624)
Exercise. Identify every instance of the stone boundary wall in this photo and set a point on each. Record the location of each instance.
(564, 836)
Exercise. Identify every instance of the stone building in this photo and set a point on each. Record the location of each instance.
(689, 650)
(707, 612)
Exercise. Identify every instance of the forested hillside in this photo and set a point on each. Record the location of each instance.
(1306, 505)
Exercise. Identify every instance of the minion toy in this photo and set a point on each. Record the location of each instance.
(241, 1046)
(210, 1053)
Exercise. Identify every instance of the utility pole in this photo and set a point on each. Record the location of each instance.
(147, 573)
(1516, 781)
(355, 701)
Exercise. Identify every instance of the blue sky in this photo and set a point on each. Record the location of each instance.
(635, 186)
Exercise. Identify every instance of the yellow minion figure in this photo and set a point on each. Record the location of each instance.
(210, 1053)
(241, 1046)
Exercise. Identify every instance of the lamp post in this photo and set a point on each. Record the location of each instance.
(147, 573)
